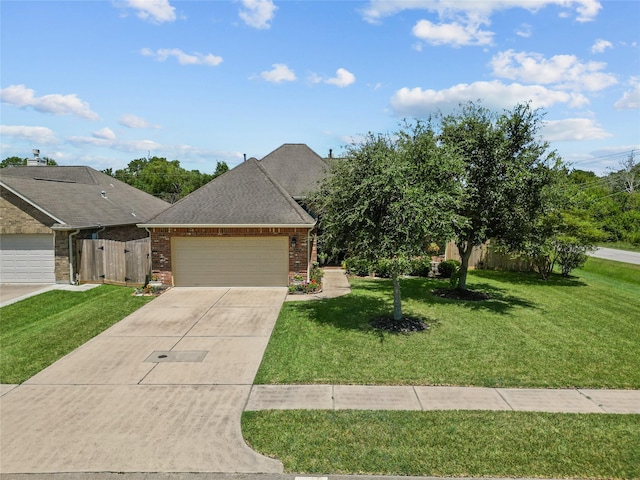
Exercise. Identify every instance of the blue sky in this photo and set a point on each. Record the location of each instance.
(101, 83)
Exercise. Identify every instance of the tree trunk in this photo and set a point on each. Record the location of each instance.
(397, 301)
(465, 249)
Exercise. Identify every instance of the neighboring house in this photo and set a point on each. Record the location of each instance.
(246, 227)
(45, 210)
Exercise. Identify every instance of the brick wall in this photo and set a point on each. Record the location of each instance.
(298, 262)
(19, 217)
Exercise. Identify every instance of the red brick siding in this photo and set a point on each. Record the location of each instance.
(161, 246)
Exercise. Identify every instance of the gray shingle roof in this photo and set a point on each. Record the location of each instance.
(296, 167)
(245, 195)
(73, 195)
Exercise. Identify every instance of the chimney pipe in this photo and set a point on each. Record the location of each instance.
(245, 157)
(331, 153)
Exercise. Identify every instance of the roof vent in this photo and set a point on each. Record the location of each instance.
(104, 194)
(36, 161)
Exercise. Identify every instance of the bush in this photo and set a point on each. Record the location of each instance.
(447, 268)
(358, 266)
(634, 238)
(420, 267)
(383, 268)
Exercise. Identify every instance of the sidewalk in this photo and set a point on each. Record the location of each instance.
(365, 397)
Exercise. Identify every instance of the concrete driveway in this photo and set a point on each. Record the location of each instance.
(161, 391)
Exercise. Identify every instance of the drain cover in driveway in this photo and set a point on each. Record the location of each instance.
(177, 356)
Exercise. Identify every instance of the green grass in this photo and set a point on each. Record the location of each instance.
(578, 332)
(460, 444)
(39, 330)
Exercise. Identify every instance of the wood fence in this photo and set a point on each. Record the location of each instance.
(487, 257)
(110, 261)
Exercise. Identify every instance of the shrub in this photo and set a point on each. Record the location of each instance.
(420, 267)
(358, 266)
(383, 268)
(447, 268)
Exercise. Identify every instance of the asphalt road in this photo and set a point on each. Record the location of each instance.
(617, 255)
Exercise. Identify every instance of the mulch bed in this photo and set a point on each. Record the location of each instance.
(405, 325)
(455, 294)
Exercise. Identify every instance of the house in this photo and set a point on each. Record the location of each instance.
(247, 227)
(46, 210)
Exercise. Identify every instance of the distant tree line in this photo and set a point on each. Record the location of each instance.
(611, 203)
(164, 179)
(19, 161)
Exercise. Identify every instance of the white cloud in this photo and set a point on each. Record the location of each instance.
(454, 34)
(314, 78)
(630, 100)
(154, 11)
(55, 103)
(343, 78)
(105, 133)
(495, 95)
(163, 54)
(586, 10)
(114, 143)
(601, 45)
(562, 71)
(460, 22)
(280, 73)
(35, 135)
(524, 31)
(572, 129)
(141, 148)
(257, 13)
(132, 121)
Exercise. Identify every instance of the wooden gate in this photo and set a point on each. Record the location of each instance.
(110, 261)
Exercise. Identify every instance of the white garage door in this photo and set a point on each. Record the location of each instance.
(27, 259)
(230, 261)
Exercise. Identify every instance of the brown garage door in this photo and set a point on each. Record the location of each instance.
(230, 261)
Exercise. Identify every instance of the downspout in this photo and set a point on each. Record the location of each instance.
(150, 256)
(71, 280)
(308, 256)
(101, 229)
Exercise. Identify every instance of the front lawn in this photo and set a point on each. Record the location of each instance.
(39, 330)
(578, 332)
(448, 443)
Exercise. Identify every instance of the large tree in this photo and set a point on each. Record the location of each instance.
(506, 168)
(387, 198)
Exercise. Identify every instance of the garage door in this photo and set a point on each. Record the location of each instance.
(230, 261)
(27, 259)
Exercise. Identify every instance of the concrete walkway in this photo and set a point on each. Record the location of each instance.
(364, 397)
(14, 292)
(334, 284)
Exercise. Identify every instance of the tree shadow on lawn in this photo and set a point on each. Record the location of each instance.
(421, 290)
(349, 312)
(526, 278)
(373, 298)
